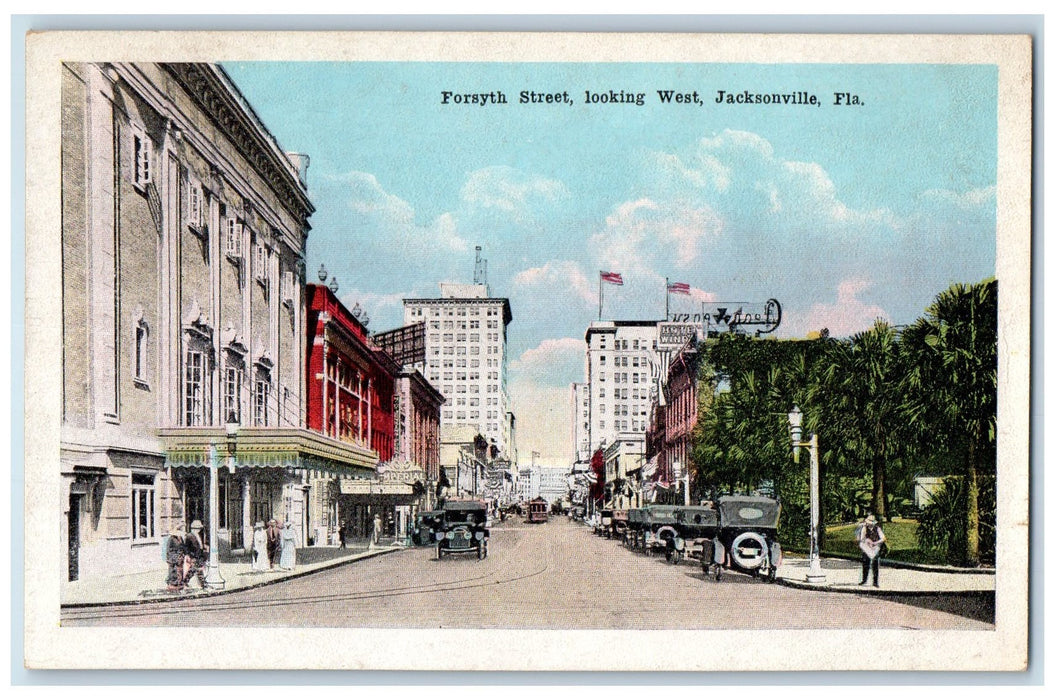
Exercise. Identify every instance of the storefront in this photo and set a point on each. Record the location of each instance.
(397, 494)
(261, 474)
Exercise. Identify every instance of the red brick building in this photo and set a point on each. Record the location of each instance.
(350, 382)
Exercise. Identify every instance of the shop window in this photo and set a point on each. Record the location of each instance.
(142, 507)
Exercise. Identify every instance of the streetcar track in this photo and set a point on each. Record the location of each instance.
(190, 605)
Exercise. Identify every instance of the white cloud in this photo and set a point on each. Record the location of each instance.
(511, 192)
(848, 315)
(558, 275)
(642, 233)
(390, 222)
(556, 361)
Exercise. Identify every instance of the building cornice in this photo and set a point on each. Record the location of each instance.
(217, 95)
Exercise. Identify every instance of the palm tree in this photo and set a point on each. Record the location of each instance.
(951, 387)
(862, 381)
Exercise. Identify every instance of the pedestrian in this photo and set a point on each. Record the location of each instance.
(196, 554)
(174, 555)
(871, 540)
(288, 558)
(259, 555)
(273, 534)
(342, 533)
(377, 528)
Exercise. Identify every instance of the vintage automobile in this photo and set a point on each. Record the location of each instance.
(658, 530)
(696, 528)
(633, 536)
(747, 536)
(604, 523)
(537, 510)
(463, 529)
(619, 523)
(425, 527)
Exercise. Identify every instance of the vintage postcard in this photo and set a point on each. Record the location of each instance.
(518, 351)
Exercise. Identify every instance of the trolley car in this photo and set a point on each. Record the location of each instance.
(537, 510)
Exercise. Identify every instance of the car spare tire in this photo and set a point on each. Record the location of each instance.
(749, 550)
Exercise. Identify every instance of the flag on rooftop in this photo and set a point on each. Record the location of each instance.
(678, 288)
(611, 277)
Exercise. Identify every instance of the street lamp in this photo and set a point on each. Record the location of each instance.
(213, 579)
(814, 574)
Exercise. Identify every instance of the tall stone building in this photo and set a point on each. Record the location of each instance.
(183, 233)
(622, 368)
(465, 357)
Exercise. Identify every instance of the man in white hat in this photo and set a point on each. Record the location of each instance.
(870, 539)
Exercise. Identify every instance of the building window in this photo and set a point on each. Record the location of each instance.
(140, 350)
(260, 263)
(142, 158)
(233, 237)
(142, 507)
(262, 397)
(194, 388)
(232, 392)
(195, 205)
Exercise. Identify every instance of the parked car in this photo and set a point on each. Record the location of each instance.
(747, 536)
(658, 532)
(463, 529)
(696, 528)
(633, 536)
(604, 523)
(425, 527)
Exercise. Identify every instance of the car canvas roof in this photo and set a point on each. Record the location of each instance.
(464, 505)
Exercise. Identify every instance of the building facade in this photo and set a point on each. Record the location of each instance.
(580, 396)
(465, 357)
(622, 372)
(183, 233)
(350, 397)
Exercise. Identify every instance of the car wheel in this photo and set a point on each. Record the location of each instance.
(718, 573)
(480, 552)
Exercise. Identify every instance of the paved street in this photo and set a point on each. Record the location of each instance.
(553, 575)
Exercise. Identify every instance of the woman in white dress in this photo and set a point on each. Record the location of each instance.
(288, 540)
(259, 553)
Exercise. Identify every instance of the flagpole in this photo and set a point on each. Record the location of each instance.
(600, 294)
(666, 288)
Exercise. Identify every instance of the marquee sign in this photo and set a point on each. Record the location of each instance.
(721, 316)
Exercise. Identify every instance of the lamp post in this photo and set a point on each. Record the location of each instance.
(213, 579)
(814, 574)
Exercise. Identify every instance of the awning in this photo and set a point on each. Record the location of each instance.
(369, 487)
(266, 448)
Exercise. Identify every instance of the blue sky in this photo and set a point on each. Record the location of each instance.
(844, 214)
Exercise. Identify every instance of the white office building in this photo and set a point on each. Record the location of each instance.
(580, 396)
(465, 358)
(622, 365)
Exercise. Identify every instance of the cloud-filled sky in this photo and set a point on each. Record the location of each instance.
(843, 213)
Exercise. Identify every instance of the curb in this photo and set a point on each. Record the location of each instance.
(880, 592)
(212, 594)
(895, 564)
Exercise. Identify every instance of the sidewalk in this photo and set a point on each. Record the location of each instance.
(895, 579)
(149, 586)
